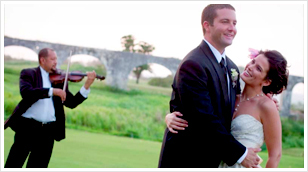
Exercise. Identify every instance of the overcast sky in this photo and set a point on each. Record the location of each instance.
(173, 27)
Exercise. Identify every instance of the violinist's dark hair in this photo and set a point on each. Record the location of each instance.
(44, 53)
(278, 73)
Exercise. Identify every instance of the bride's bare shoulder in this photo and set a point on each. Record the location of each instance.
(267, 106)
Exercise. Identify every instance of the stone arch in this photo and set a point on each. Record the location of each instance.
(22, 52)
(118, 64)
(160, 71)
(287, 94)
(84, 59)
(164, 65)
(94, 62)
(161, 61)
(297, 93)
(122, 63)
(155, 65)
(84, 51)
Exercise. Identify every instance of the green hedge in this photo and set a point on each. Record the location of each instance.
(161, 82)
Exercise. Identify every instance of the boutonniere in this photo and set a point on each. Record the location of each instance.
(234, 77)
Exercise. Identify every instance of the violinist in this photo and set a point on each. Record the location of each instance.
(39, 117)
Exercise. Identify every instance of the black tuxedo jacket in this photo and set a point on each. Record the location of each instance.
(200, 93)
(31, 90)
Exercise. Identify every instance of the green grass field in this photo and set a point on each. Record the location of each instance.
(138, 113)
(83, 149)
(143, 86)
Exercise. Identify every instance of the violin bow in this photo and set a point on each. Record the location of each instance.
(67, 69)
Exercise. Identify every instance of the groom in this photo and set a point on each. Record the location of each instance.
(204, 92)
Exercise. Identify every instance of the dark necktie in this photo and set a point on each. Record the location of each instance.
(223, 67)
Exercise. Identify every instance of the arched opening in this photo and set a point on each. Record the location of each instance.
(17, 58)
(156, 79)
(297, 100)
(14, 52)
(83, 63)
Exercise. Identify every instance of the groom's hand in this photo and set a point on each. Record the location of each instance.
(252, 159)
(269, 95)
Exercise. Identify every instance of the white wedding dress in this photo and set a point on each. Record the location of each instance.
(248, 131)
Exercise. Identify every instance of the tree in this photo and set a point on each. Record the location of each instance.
(145, 48)
(138, 70)
(128, 43)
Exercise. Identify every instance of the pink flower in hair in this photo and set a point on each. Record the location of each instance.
(253, 53)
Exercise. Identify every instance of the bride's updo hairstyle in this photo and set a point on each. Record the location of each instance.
(277, 73)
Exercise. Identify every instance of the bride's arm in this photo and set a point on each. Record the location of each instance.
(272, 132)
(174, 123)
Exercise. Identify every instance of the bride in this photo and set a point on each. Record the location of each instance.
(256, 118)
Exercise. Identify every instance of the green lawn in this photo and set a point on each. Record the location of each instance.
(83, 149)
(291, 158)
(144, 86)
(92, 150)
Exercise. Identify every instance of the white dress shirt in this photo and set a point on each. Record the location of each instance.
(218, 58)
(43, 110)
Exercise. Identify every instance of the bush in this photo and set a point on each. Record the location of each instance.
(292, 127)
(299, 107)
(99, 69)
(161, 82)
(292, 133)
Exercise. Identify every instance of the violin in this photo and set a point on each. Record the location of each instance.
(58, 76)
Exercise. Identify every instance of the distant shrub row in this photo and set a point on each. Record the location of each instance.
(161, 82)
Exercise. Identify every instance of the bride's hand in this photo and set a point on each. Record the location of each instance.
(174, 122)
(269, 95)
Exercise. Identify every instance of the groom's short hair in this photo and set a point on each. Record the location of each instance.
(209, 13)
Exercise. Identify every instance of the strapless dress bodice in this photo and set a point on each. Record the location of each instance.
(248, 131)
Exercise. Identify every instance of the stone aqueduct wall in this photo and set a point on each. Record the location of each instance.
(287, 94)
(119, 64)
